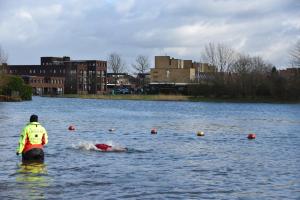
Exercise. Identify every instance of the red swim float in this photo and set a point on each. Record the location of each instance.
(153, 131)
(71, 128)
(251, 136)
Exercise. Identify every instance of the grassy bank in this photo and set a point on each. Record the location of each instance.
(132, 97)
(4, 98)
(162, 97)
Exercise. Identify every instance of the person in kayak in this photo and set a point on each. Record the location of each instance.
(105, 147)
(32, 140)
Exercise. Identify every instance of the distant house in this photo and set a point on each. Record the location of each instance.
(120, 80)
(61, 75)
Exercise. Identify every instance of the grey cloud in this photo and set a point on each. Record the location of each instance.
(92, 29)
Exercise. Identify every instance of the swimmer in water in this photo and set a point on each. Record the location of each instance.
(105, 147)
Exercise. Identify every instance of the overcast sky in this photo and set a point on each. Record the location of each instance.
(91, 29)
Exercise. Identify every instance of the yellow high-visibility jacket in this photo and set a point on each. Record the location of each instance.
(33, 135)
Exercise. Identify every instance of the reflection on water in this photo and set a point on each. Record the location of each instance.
(33, 181)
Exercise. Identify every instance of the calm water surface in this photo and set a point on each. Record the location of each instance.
(174, 164)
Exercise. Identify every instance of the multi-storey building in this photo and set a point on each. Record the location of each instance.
(170, 70)
(177, 71)
(59, 75)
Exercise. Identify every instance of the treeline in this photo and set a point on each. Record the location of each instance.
(240, 76)
(13, 88)
(249, 86)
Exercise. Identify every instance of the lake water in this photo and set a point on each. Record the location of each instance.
(174, 164)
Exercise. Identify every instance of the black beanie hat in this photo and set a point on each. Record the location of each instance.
(33, 118)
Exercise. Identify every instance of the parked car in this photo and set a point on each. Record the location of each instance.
(121, 91)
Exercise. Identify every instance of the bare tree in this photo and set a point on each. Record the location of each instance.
(295, 55)
(242, 65)
(3, 59)
(219, 56)
(250, 74)
(259, 66)
(142, 64)
(115, 63)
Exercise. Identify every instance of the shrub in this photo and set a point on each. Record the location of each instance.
(15, 84)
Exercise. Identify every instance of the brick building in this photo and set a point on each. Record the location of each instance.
(290, 72)
(61, 75)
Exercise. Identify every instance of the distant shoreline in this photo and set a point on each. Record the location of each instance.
(162, 97)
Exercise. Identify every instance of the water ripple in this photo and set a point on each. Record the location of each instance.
(174, 164)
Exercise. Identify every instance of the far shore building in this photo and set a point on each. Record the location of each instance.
(290, 72)
(177, 71)
(172, 75)
(134, 84)
(61, 75)
(120, 80)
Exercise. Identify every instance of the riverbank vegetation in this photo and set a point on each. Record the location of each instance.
(13, 88)
(252, 85)
(240, 76)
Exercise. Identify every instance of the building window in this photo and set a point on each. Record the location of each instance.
(168, 73)
(73, 72)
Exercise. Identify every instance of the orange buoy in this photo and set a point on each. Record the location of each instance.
(71, 128)
(251, 136)
(153, 131)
